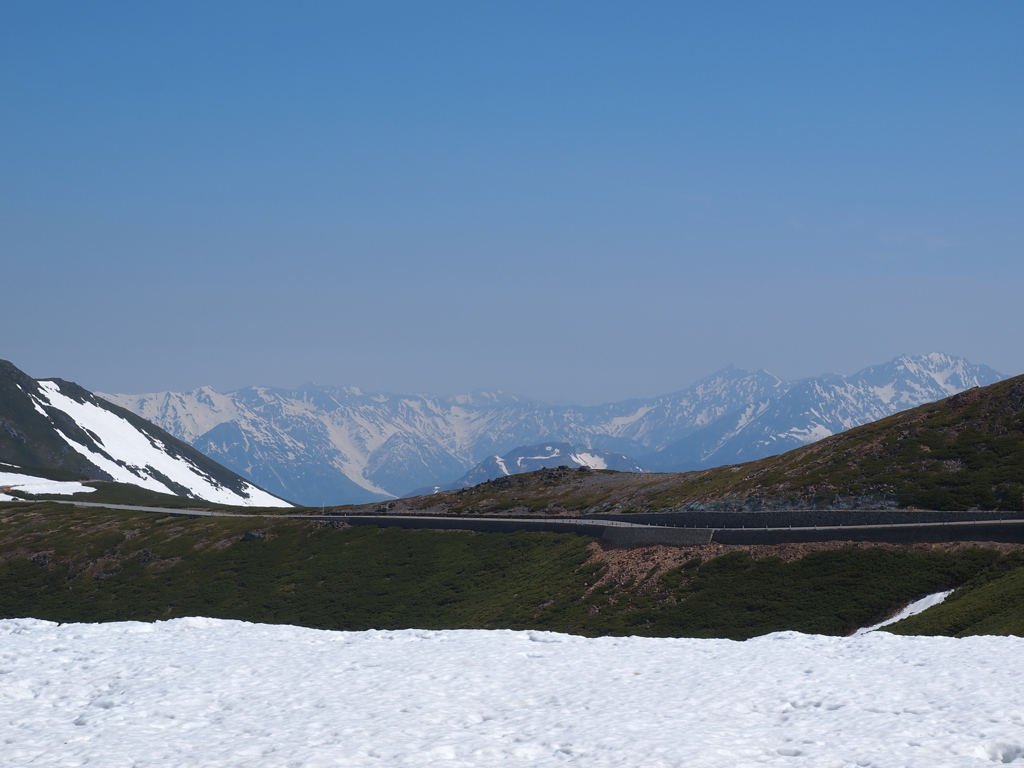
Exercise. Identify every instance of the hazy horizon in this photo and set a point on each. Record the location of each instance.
(520, 395)
(578, 202)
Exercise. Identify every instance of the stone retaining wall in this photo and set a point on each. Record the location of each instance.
(643, 536)
(802, 518)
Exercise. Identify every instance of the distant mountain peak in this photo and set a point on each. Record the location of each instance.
(815, 408)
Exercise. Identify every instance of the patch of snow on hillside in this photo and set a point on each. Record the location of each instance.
(749, 413)
(143, 455)
(354, 439)
(589, 460)
(205, 693)
(942, 368)
(553, 453)
(811, 434)
(501, 465)
(614, 425)
(916, 607)
(39, 408)
(886, 394)
(40, 485)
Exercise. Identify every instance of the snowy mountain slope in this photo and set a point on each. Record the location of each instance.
(813, 409)
(55, 425)
(654, 424)
(318, 444)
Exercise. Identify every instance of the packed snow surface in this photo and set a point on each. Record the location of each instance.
(202, 692)
(37, 485)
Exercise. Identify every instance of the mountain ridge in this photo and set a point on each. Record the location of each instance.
(963, 453)
(55, 429)
(323, 444)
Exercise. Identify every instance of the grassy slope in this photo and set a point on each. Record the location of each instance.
(831, 593)
(99, 565)
(989, 604)
(962, 452)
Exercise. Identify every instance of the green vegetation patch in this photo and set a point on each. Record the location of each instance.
(827, 592)
(992, 603)
(67, 564)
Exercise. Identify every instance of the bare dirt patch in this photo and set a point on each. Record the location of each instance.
(645, 565)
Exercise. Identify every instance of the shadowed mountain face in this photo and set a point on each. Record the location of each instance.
(336, 445)
(30, 437)
(56, 429)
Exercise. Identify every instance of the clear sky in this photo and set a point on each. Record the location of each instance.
(576, 201)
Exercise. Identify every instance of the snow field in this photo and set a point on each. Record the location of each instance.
(203, 692)
(589, 460)
(33, 484)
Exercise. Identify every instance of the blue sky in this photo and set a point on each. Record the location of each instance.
(579, 202)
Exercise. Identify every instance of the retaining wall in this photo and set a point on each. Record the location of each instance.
(910, 534)
(803, 518)
(648, 537)
(643, 535)
(496, 525)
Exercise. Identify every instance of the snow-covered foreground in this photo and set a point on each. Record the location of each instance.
(200, 692)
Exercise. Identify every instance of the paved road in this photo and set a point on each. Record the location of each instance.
(450, 521)
(202, 512)
(161, 510)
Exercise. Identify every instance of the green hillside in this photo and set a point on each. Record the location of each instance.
(991, 603)
(67, 564)
(964, 452)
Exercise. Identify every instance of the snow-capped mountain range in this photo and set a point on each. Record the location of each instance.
(813, 409)
(322, 444)
(52, 431)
